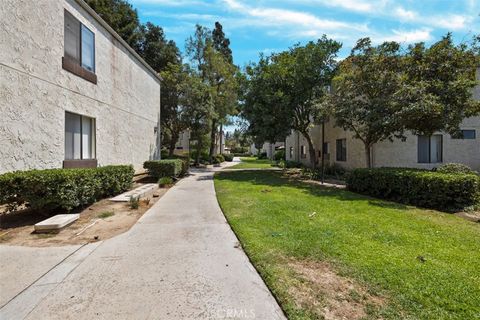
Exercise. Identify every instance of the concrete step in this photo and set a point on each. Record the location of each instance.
(56, 222)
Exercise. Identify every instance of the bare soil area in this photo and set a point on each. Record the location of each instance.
(329, 295)
(99, 221)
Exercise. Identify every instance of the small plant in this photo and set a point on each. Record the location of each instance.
(228, 157)
(279, 155)
(134, 202)
(165, 182)
(106, 214)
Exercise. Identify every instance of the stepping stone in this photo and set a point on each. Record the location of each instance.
(56, 223)
(139, 192)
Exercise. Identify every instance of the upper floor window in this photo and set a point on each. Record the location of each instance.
(341, 150)
(79, 48)
(430, 149)
(465, 134)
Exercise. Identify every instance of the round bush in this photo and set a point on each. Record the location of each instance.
(455, 168)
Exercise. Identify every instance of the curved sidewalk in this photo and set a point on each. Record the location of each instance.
(180, 261)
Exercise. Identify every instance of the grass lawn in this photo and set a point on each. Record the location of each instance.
(332, 253)
(253, 163)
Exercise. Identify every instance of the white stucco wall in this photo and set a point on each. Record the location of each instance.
(35, 91)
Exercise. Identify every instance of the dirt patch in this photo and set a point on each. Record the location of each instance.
(99, 221)
(328, 295)
(471, 215)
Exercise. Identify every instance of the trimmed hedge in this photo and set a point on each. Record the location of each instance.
(228, 157)
(454, 168)
(165, 168)
(428, 189)
(218, 158)
(63, 188)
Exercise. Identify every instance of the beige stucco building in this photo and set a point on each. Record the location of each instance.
(72, 92)
(268, 148)
(416, 152)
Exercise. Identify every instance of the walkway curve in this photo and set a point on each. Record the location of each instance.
(180, 261)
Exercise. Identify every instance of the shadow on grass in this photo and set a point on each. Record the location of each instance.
(277, 179)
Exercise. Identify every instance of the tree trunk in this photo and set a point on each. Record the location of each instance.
(220, 138)
(311, 150)
(199, 149)
(368, 156)
(171, 146)
(213, 135)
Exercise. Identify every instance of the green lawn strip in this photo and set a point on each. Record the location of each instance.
(426, 262)
(253, 163)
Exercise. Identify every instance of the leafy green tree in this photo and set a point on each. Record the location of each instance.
(438, 82)
(294, 83)
(263, 106)
(364, 93)
(221, 43)
(157, 51)
(122, 17)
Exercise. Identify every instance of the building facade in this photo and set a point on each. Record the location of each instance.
(72, 92)
(416, 151)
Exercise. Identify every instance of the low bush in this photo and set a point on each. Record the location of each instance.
(455, 168)
(134, 202)
(331, 171)
(165, 181)
(241, 154)
(262, 156)
(228, 157)
(240, 150)
(279, 155)
(445, 192)
(62, 188)
(164, 168)
(218, 158)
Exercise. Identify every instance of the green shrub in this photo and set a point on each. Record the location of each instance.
(446, 192)
(165, 181)
(279, 155)
(134, 202)
(455, 168)
(185, 162)
(63, 188)
(218, 158)
(228, 157)
(262, 156)
(241, 154)
(293, 164)
(332, 171)
(164, 168)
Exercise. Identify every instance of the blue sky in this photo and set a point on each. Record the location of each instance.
(272, 26)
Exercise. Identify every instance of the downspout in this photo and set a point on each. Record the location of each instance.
(323, 151)
(159, 135)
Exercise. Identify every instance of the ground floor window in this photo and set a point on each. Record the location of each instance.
(430, 148)
(79, 137)
(291, 153)
(303, 152)
(342, 150)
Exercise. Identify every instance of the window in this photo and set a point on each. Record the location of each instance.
(430, 149)
(79, 137)
(291, 152)
(342, 150)
(303, 152)
(79, 48)
(466, 134)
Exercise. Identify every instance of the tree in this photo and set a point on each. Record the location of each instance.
(263, 105)
(437, 85)
(120, 15)
(157, 51)
(295, 81)
(364, 93)
(379, 93)
(220, 43)
(174, 101)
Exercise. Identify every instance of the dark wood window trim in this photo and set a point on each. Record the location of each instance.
(86, 163)
(72, 66)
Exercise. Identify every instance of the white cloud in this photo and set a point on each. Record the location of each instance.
(404, 36)
(405, 14)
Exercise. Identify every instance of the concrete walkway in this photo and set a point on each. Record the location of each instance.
(180, 261)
